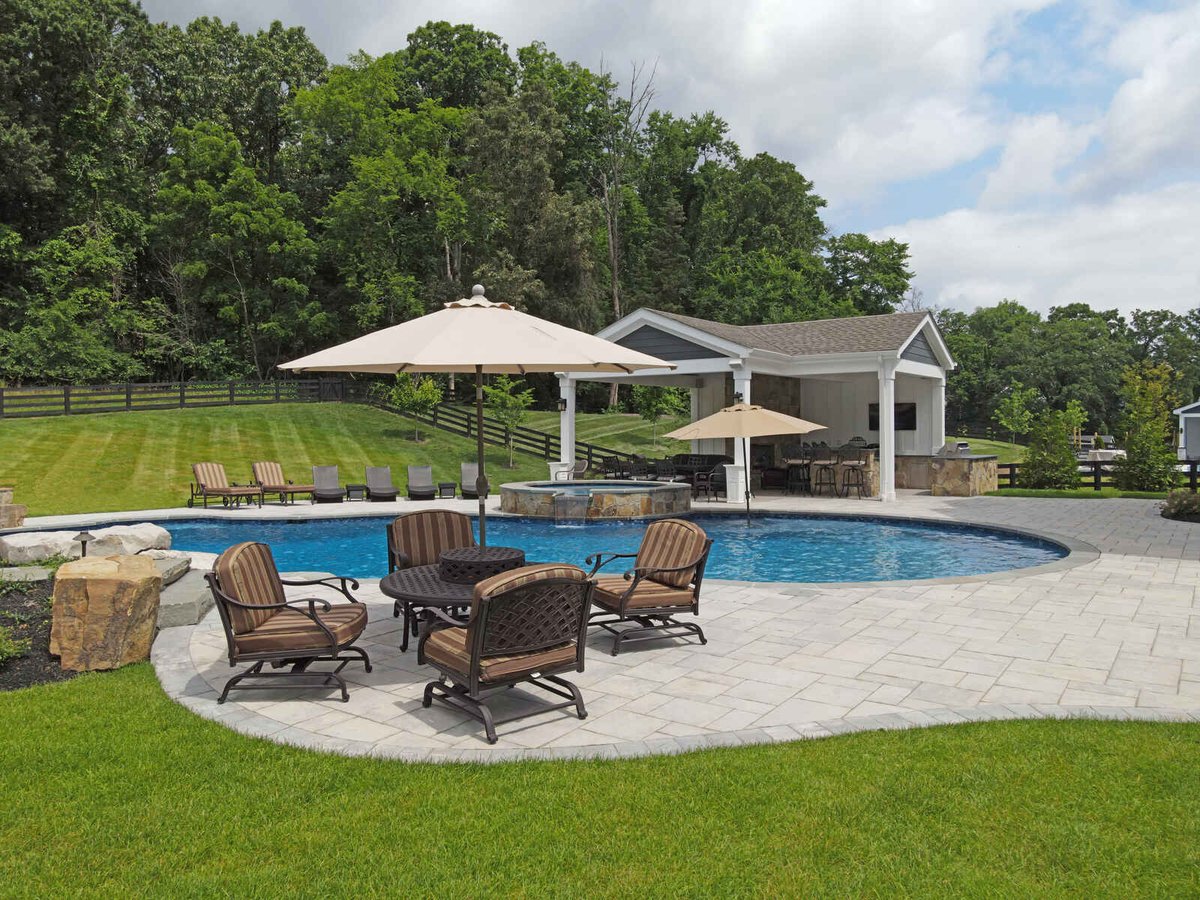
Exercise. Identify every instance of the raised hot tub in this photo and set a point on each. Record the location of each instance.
(595, 499)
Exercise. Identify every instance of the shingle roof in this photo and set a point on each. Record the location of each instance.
(860, 334)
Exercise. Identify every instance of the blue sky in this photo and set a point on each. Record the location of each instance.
(1046, 152)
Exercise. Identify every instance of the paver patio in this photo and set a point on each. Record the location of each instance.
(1110, 633)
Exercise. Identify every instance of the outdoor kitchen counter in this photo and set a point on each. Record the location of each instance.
(968, 475)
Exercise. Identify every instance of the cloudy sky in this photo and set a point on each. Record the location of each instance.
(1046, 152)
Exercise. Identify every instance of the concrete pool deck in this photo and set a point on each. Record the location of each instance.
(1112, 631)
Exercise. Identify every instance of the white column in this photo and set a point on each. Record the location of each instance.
(937, 414)
(694, 412)
(566, 420)
(887, 430)
(741, 385)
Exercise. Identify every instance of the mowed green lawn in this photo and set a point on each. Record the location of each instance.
(110, 789)
(142, 460)
(619, 431)
(1005, 451)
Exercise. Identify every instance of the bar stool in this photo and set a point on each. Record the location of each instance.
(853, 468)
(799, 476)
(824, 471)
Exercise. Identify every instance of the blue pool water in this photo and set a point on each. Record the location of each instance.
(766, 548)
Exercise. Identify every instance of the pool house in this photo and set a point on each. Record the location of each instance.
(837, 372)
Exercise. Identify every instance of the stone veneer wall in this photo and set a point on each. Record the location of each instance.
(657, 500)
(962, 477)
(777, 393)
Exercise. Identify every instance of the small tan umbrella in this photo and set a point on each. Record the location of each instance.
(476, 335)
(743, 420)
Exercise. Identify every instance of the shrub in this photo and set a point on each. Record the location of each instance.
(1182, 505)
(11, 647)
(1049, 461)
(417, 396)
(1148, 396)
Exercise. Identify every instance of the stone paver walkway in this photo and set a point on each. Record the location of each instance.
(1114, 633)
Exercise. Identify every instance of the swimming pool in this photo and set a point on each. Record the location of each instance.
(766, 548)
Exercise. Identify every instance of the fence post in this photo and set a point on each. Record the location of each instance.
(546, 439)
(66, 399)
(128, 396)
(182, 394)
(1, 403)
(231, 390)
(1191, 463)
(1097, 472)
(276, 390)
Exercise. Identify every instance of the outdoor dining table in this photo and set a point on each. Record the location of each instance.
(447, 585)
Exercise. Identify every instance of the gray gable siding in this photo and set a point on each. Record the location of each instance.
(657, 342)
(920, 351)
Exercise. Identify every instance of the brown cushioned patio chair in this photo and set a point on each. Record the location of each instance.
(211, 482)
(418, 539)
(664, 582)
(526, 625)
(327, 488)
(269, 477)
(262, 625)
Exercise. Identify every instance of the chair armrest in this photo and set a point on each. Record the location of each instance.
(328, 582)
(646, 571)
(449, 620)
(401, 559)
(311, 602)
(603, 559)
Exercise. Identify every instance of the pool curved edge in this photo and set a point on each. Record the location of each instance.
(1077, 552)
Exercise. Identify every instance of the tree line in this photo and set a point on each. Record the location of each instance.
(1073, 358)
(202, 203)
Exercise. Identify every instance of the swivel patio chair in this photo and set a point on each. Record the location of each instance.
(379, 484)
(418, 539)
(468, 481)
(262, 625)
(526, 625)
(420, 483)
(212, 482)
(854, 464)
(326, 486)
(269, 478)
(824, 470)
(665, 581)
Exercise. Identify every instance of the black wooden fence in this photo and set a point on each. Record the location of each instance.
(1099, 475)
(27, 402)
(461, 420)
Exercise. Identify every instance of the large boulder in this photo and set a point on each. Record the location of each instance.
(105, 612)
(34, 546)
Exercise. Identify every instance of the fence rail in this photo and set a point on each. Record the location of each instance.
(460, 420)
(29, 402)
(1099, 475)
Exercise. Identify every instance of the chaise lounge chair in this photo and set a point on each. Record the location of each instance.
(379, 484)
(469, 481)
(269, 477)
(420, 483)
(261, 625)
(211, 482)
(418, 539)
(326, 486)
(526, 626)
(664, 582)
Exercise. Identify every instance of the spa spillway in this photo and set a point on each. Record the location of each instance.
(595, 499)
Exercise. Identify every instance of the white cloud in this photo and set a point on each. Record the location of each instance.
(1130, 251)
(1037, 149)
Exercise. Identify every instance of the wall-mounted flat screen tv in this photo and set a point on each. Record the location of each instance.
(906, 417)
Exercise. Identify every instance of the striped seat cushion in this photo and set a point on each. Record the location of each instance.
(247, 573)
(422, 536)
(649, 594)
(293, 630)
(449, 647)
(210, 475)
(668, 544)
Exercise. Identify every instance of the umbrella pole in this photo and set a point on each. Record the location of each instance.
(746, 465)
(481, 479)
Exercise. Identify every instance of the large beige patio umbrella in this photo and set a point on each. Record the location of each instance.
(743, 420)
(476, 335)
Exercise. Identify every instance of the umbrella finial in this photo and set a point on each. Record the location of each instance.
(477, 291)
